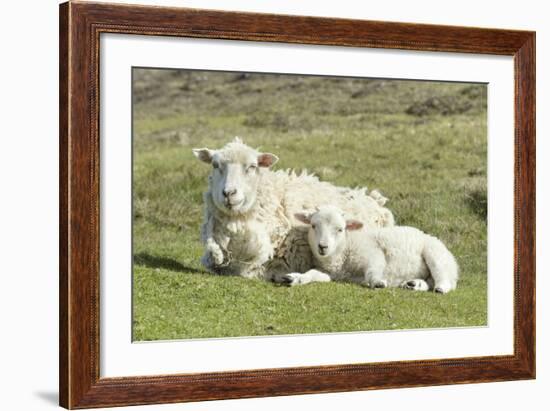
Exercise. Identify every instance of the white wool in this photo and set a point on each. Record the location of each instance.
(266, 240)
(379, 257)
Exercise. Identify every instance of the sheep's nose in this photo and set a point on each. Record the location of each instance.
(230, 192)
(322, 248)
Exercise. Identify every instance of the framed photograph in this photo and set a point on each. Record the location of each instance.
(259, 205)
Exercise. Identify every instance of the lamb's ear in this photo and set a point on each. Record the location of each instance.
(267, 159)
(203, 154)
(378, 197)
(304, 218)
(352, 225)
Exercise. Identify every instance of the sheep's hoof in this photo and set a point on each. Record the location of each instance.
(210, 263)
(217, 258)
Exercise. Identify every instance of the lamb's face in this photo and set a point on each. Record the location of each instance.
(235, 175)
(327, 231)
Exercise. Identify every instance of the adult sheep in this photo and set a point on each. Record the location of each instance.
(248, 227)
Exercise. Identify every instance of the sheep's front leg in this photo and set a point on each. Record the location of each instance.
(311, 276)
(261, 246)
(213, 254)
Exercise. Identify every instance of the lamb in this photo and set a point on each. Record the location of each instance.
(378, 257)
(248, 228)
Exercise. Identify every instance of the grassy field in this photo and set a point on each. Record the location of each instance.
(423, 144)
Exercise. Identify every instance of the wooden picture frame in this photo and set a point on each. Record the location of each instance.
(80, 27)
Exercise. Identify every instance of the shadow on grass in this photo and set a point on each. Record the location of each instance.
(153, 261)
(477, 201)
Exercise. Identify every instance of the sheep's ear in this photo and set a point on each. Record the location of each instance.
(352, 225)
(304, 218)
(203, 154)
(267, 159)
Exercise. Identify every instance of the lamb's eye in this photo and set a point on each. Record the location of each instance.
(340, 230)
(251, 168)
(313, 226)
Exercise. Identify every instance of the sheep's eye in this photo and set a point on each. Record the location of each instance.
(251, 168)
(313, 226)
(340, 230)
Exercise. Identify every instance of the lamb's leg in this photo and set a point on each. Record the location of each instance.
(442, 265)
(311, 276)
(374, 274)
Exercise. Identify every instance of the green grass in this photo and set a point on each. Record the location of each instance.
(423, 144)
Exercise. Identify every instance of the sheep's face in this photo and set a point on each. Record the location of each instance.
(235, 175)
(327, 231)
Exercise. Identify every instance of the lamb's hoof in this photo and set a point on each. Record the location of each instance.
(379, 284)
(443, 288)
(291, 279)
(415, 285)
